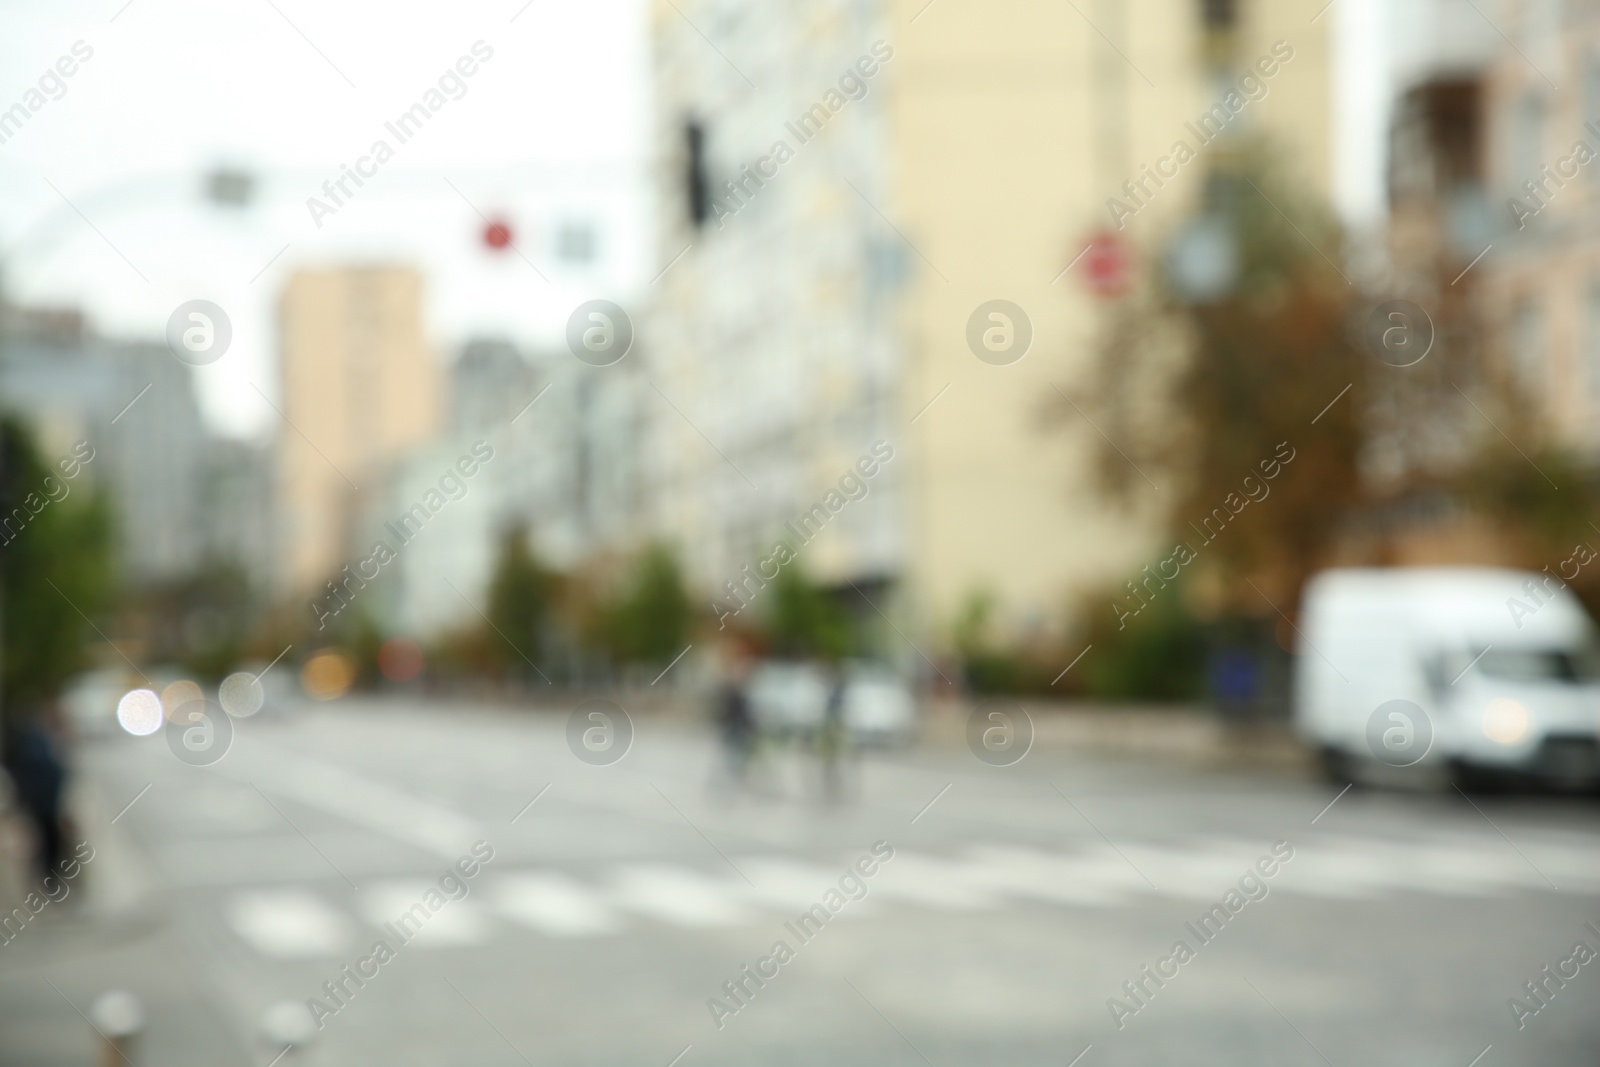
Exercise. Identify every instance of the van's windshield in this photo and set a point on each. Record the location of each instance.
(1541, 664)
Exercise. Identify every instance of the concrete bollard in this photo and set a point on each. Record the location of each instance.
(286, 1025)
(119, 1017)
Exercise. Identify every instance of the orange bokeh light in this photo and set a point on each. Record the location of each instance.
(327, 675)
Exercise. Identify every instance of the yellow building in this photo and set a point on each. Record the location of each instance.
(940, 156)
(358, 388)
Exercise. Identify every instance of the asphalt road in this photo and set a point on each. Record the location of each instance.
(1390, 929)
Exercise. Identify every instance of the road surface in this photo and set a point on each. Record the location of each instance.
(629, 911)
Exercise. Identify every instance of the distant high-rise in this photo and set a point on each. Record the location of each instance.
(359, 388)
(135, 405)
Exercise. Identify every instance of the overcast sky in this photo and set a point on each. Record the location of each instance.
(551, 129)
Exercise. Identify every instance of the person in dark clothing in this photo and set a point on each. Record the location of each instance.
(41, 779)
(831, 740)
(736, 724)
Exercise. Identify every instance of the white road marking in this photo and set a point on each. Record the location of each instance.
(398, 813)
(289, 924)
(553, 904)
(456, 923)
(679, 896)
(932, 882)
(791, 887)
(1036, 875)
(296, 923)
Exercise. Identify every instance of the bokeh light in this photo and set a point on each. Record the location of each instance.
(241, 694)
(178, 694)
(1505, 721)
(400, 659)
(139, 712)
(327, 675)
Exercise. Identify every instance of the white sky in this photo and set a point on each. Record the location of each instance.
(552, 128)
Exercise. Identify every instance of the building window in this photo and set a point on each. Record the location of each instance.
(1527, 140)
(697, 182)
(1527, 347)
(1219, 14)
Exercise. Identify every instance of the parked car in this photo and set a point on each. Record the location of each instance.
(89, 700)
(790, 698)
(878, 705)
(1477, 672)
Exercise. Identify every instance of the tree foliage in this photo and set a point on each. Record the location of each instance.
(1199, 397)
(55, 572)
(1196, 395)
(649, 619)
(522, 595)
(804, 619)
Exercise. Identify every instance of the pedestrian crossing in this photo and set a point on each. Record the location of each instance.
(300, 922)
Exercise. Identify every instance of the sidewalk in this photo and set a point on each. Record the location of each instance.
(1191, 734)
(111, 904)
(1183, 733)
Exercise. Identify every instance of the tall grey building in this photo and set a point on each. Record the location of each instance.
(135, 404)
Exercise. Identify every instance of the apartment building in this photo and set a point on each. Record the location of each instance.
(1542, 161)
(843, 186)
(359, 388)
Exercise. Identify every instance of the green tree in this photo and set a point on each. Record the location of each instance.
(1159, 656)
(1198, 395)
(55, 571)
(649, 620)
(522, 594)
(993, 666)
(804, 619)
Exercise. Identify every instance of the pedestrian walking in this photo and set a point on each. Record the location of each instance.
(40, 776)
(735, 723)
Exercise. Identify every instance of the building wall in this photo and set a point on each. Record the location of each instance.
(135, 405)
(833, 309)
(769, 361)
(1542, 278)
(1014, 122)
(563, 468)
(359, 388)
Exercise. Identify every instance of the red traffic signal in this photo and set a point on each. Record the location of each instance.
(497, 234)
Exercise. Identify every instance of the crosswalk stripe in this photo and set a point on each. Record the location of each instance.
(289, 923)
(932, 883)
(677, 895)
(457, 923)
(1036, 875)
(299, 923)
(791, 887)
(551, 903)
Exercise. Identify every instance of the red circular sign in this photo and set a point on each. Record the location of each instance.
(1108, 264)
(497, 234)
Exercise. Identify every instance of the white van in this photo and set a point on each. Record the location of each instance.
(1465, 670)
